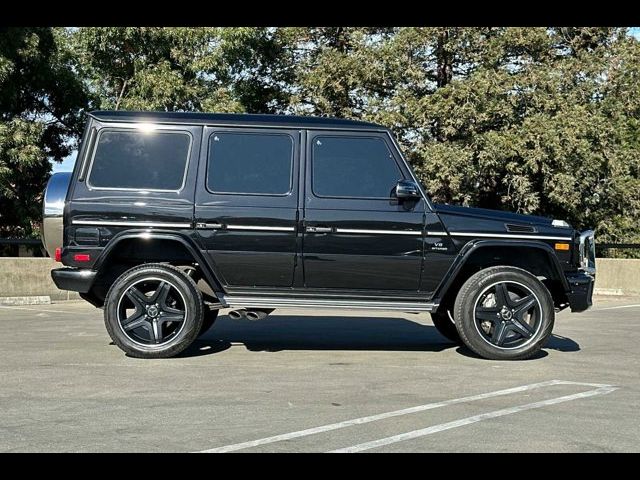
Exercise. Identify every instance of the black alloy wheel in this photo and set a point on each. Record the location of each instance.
(154, 311)
(504, 313)
(507, 314)
(151, 311)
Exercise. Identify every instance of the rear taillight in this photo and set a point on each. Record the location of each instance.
(58, 254)
(81, 257)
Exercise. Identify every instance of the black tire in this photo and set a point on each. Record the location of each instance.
(167, 311)
(443, 321)
(210, 316)
(504, 313)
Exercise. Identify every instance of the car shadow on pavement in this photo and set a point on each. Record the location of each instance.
(555, 342)
(281, 332)
(562, 344)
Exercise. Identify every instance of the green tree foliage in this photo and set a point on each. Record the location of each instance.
(40, 105)
(536, 120)
(182, 69)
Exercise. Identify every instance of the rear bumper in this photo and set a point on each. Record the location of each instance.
(74, 279)
(581, 294)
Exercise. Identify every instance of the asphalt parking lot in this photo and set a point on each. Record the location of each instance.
(319, 382)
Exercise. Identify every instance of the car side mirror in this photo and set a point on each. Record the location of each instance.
(407, 190)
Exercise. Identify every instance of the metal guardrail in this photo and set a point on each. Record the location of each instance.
(617, 250)
(31, 242)
(618, 245)
(11, 247)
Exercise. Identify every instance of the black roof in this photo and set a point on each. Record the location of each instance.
(230, 119)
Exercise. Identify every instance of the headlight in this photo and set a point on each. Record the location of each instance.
(587, 251)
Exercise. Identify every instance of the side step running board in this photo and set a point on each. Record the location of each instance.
(230, 301)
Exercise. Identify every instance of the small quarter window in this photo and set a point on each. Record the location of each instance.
(140, 160)
(250, 163)
(356, 167)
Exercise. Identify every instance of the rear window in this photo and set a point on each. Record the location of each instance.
(140, 160)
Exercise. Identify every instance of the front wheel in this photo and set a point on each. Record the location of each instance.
(153, 311)
(504, 313)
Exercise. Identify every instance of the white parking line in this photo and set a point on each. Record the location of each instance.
(37, 309)
(620, 306)
(395, 413)
(469, 420)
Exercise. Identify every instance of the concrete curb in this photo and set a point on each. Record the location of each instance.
(30, 277)
(618, 276)
(30, 300)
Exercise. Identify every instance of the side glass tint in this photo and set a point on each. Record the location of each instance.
(131, 159)
(353, 167)
(250, 163)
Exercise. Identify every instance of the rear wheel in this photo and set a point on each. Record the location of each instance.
(443, 321)
(153, 311)
(504, 313)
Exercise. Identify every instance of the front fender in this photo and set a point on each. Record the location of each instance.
(475, 246)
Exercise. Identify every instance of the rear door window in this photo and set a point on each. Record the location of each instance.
(250, 163)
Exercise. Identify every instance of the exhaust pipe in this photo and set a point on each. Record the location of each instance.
(237, 314)
(258, 313)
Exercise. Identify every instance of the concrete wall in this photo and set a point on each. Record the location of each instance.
(30, 277)
(618, 276)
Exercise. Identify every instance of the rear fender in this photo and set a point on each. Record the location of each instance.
(185, 241)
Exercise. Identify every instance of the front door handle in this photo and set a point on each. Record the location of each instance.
(214, 226)
(319, 229)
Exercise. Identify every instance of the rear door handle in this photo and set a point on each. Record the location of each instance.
(319, 229)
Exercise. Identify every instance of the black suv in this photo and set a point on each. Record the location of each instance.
(168, 217)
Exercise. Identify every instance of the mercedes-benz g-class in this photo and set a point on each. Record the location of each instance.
(169, 217)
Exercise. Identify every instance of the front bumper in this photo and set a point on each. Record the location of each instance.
(74, 279)
(581, 294)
